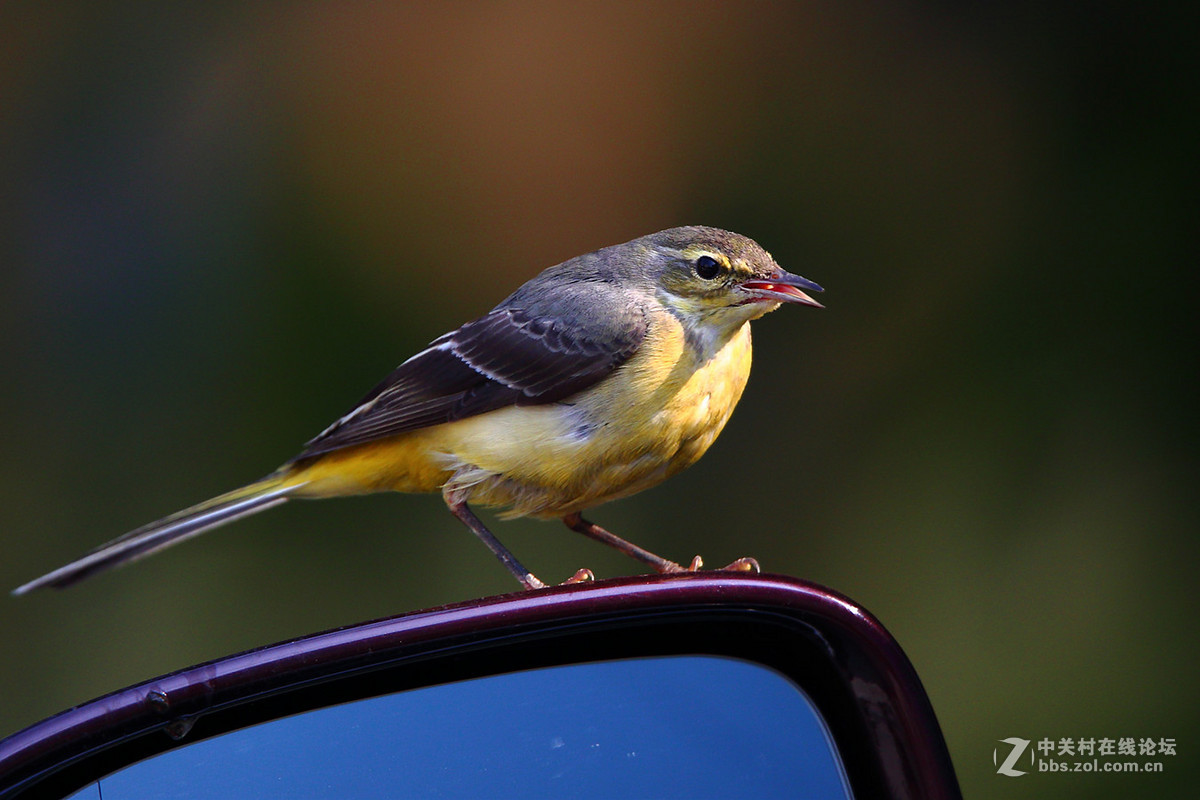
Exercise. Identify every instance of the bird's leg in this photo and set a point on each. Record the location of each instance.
(577, 523)
(458, 507)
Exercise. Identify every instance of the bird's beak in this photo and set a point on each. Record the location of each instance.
(783, 287)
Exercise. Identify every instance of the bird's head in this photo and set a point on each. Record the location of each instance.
(713, 276)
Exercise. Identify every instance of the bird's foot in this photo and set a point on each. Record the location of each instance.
(584, 575)
(741, 565)
(530, 581)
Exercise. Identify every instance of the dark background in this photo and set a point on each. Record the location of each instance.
(220, 226)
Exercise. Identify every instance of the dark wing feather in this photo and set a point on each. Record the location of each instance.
(508, 357)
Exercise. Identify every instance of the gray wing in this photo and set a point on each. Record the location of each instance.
(511, 356)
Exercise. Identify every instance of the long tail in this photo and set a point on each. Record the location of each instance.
(270, 491)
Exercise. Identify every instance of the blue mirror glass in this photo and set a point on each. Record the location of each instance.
(694, 726)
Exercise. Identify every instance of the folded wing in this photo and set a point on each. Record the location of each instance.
(511, 356)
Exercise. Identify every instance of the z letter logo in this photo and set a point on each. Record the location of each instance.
(1018, 749)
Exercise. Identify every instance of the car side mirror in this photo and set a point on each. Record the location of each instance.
(702, 685)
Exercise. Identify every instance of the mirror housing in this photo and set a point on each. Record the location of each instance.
(874, 708)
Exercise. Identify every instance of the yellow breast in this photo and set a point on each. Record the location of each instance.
(658, 413)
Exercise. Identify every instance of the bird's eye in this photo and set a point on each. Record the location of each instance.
(707, 267)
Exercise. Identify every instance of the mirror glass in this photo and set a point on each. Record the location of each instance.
(695, 726)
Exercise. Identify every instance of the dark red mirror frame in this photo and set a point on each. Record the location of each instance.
(850, 666)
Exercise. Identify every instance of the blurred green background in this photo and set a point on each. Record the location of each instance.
(219, 226)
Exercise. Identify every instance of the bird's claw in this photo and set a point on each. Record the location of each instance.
(745, 564)
(531, 581)
(583, 575)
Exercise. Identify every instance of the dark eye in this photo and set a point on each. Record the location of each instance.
(707, 267)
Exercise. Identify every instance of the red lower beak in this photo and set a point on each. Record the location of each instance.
(783, 288)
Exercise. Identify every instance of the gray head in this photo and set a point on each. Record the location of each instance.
(703, 275)
(700, 270)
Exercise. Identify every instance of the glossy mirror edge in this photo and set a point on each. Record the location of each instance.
(854, 671)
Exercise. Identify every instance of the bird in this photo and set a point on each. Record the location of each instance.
(598, 378)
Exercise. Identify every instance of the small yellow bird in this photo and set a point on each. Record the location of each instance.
(599, 378)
